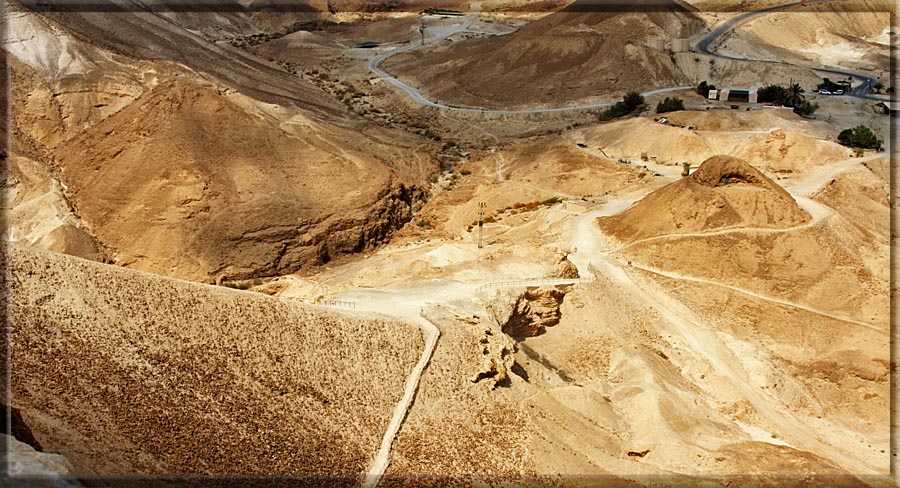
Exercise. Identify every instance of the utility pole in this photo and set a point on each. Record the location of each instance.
(422, 29)
(481, 206)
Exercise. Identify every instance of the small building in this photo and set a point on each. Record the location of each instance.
(888, 108)
(734, 95)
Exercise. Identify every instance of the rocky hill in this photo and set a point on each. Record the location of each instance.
(164, 167)
(725, 192)
(124, 372)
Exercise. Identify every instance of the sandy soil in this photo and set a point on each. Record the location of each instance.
(129, 373)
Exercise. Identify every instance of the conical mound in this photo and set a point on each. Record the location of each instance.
(725, 192)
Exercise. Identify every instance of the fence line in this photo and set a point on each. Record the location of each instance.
(338, 303)
(532, 282)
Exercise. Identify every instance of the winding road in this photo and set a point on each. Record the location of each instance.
(416, 95)
(703, 46)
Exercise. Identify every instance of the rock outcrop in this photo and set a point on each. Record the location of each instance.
(529, 313)
(565, 269)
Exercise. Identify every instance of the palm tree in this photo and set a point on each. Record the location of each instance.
(878, 86)
(794, 95)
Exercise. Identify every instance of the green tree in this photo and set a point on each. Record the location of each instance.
(828, 85)
(860, 137)
(772, 94)
(794, 95)
(670, 105)
(890, 90)
(877, 86)
(633, 100)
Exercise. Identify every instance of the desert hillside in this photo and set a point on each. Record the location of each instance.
(124, 372)
(595, 52)
(152, 166)
(725, 192)
(855, 34)
(260, 243)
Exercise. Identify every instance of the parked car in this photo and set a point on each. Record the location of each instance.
(824, 92)
(838, 92)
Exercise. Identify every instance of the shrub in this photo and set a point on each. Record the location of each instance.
(423, 224)
(669, 105)
(243, 285)
(465, 172)
(551, 201)
(860, 137)
(805, 108)
(627, 105)
(633, 100)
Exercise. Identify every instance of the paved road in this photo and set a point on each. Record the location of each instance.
(417, 96)
(704, 45)
(861, 91)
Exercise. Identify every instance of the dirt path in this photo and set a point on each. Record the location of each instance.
(681, 277)
(592, 256)
(406, 304)
(382, 457)
(705, 343)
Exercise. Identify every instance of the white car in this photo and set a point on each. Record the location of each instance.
(824, 92)
(838, 92)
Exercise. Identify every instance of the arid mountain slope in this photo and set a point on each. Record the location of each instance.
(724, 192)
(855, 34)
(124, 372)
(194, 186)
(568, 55)
(137, 33)
(179, 175)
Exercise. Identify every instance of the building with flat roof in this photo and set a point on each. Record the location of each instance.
(888, 108)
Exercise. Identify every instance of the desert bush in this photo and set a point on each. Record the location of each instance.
(805, 108)
(670, 105)
(551, 201)
(859, 137)
(631, 102)
(243, 285)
